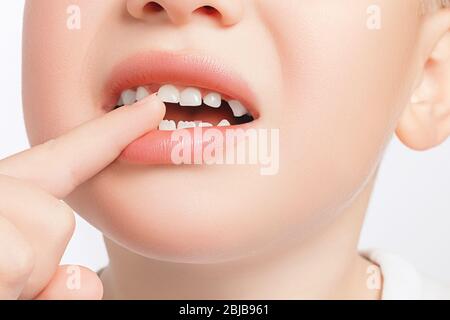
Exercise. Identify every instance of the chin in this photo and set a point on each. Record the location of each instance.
(170, 213)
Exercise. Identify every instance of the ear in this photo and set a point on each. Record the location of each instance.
(425, 123)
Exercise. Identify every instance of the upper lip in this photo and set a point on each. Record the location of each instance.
(178, 69)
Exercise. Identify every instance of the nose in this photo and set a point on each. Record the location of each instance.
(227, 12)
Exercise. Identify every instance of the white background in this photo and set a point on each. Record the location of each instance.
(409, 214)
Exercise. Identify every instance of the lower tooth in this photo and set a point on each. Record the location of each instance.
(167, 125)
(185, 125)
(205, 125)
(224, 123)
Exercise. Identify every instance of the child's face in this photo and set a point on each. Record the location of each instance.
(333, 87)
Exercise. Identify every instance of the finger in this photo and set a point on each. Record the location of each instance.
(16, 261)
(46, 224)
(73, 283)
(60, 165)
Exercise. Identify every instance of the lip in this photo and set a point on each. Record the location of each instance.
(178, 69)
(155, 148)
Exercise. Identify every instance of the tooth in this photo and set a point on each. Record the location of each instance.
(238, 109)
(186, 125)
(224, 123)
(205, 125)
(120, 102)
(141, 93)
(167, 125)
(128, 97)
(169, 94)
(213, 100)
(191, 97)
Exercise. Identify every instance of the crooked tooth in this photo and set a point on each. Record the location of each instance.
(191, 97)
(213, 100)
(141, 93)
(185, 125)
(169, 94)
(238, 109)
(224, 123)
(128, 97)
(167, 125)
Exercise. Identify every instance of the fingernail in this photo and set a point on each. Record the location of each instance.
(146, 100)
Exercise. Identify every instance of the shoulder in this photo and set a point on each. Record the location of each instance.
(401, 281)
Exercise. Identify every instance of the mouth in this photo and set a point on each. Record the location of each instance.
(198, 92)
(190, 107)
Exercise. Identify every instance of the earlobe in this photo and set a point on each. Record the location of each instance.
(424, 126)
(425, 123)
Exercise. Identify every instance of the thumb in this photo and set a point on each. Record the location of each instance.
(73, 283)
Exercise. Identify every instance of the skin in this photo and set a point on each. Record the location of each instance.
(336, 90)
(35, 232)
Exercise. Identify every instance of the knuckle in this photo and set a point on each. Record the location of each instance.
(24, 261)
(20, 264)
(65, 223)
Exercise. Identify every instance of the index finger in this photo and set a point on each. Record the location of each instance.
(60, 165)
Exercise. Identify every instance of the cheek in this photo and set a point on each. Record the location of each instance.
(55, 94)
(185, 214)
(345, 86)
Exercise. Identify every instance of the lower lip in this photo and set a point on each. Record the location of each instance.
(157, 147)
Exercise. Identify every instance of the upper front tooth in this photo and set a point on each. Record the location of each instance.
(169, 94)
(191, 97)
(141, 93)
(185, 125)
(128, 97)
(238, 109)
(213, 100)
(167, 125)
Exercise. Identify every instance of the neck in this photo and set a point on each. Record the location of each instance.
(326, 265)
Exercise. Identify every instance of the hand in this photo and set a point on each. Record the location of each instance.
(35, 225)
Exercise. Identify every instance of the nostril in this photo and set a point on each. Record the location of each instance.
(208, 10)
(153, 7)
